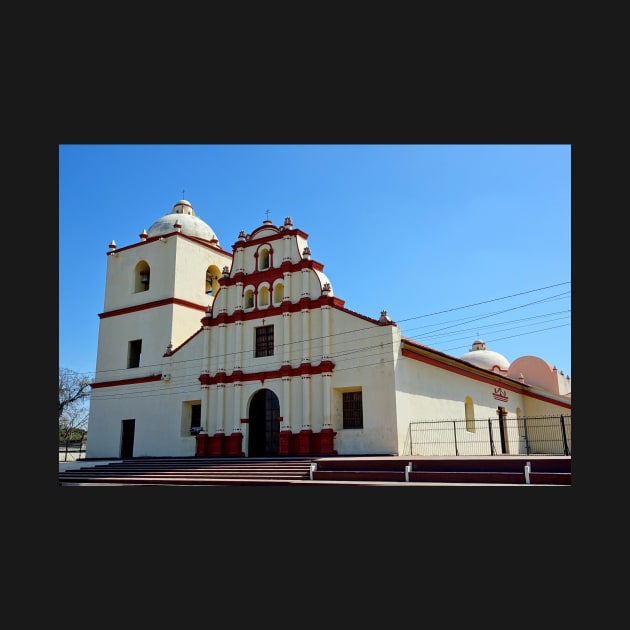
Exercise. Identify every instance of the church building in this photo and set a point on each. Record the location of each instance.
(247, 352)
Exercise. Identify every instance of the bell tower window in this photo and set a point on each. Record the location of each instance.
(212, 280)
(143, 277)
(263, 260)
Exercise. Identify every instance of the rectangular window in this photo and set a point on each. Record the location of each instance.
(135, 353)
(353, 410)
(191, 417)
(195, 418)
(264, 341)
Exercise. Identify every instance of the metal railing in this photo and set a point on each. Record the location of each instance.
(527, 435)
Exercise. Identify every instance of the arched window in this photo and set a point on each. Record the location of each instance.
(263, 260)
(142, 280)
(263, 296)
(278, 293)
(249, 299)
(212, 280)
(469, 410)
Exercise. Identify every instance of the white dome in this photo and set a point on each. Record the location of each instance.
(480, 356)
(183, 214)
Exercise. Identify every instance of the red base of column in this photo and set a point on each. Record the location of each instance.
(285, 442)
(327, 442)
(304, 442)
(234, 445)
(201, 449)
(215, 445)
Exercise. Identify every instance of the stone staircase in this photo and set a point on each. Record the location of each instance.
(378, 470)
(190, 471)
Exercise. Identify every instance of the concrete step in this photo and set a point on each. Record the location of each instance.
(392, 470)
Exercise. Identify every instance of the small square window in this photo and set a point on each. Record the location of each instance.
(264, 341)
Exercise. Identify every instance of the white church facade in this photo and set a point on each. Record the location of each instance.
(248, 352)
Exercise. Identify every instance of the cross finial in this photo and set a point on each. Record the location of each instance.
(267, 213)
(183, 195)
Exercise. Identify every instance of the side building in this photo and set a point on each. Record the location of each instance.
(207, 352)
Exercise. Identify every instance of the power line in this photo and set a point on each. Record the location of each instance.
(457, 326)
(507, 297)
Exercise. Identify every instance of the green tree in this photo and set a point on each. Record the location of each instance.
(74, 393)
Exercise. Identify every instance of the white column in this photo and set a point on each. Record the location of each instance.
(326, 376)
(287, 285)
(326, 387)
(205, 406)
(221, 358)
(207, 366)
(286, 403)
(306, 401)
(237, 406)
(238, 389)
(222, 348)
(288, 245)
(238, 346)
(286, 341)
(213, 408)
(238, 298)
(306, 291)
(306, 337)
(238, 260)
(220, 406)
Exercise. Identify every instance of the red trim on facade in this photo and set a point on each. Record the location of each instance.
(323, 300)
(128, 381)
(271, 274)
(280, 234)
(194, 239)
(239, 377)
(156, 304)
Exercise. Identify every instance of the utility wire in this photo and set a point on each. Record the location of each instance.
(370, 329)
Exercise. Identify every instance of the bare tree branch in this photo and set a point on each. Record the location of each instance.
(74, 392)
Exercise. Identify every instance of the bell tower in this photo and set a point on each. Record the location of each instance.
(156, 293)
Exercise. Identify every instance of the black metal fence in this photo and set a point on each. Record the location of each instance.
(527, 435)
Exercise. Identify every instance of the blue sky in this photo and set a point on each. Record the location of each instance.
(456, 242)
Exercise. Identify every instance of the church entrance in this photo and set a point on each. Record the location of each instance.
(264, 424)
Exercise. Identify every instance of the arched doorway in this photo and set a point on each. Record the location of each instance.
(264, 424)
